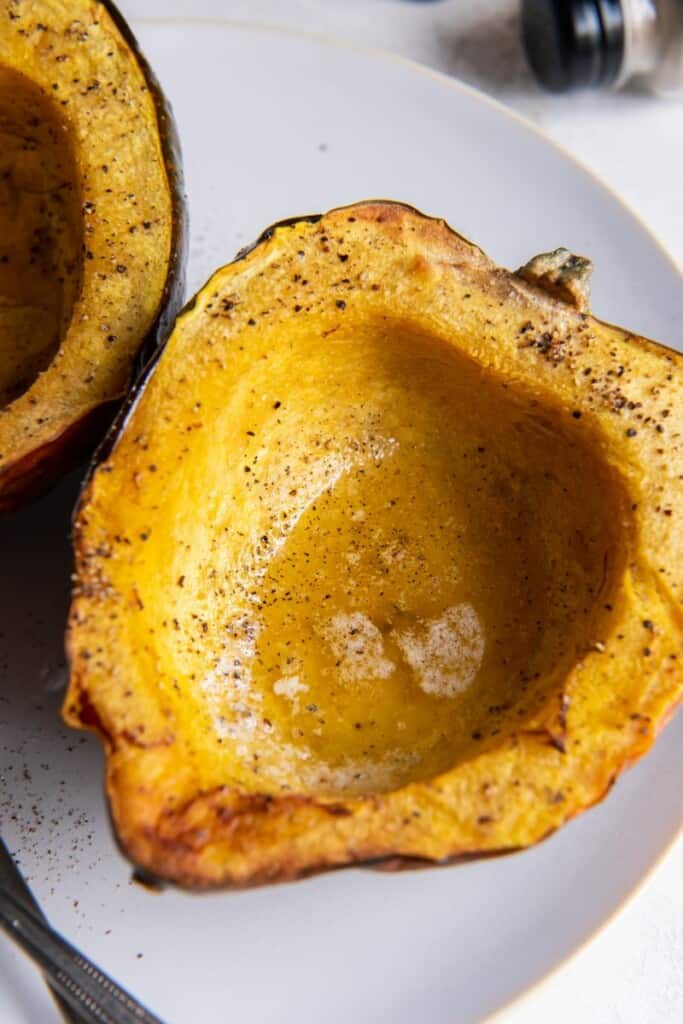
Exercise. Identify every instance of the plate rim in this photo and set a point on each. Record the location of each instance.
(451, 81)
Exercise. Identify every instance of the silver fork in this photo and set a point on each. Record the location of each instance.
(80, 985)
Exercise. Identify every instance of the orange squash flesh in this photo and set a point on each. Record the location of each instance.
(91, 231)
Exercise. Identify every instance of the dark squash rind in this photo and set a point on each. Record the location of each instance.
(32, 475)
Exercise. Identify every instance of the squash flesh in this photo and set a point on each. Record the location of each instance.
(368, 552)
(40, 232)
(68, 67)
(211, 536)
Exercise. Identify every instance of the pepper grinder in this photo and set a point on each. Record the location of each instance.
(574, 44)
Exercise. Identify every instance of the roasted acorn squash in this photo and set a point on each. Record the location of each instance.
(384, 562)
(91, 230)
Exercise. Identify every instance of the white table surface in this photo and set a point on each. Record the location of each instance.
(632, 973)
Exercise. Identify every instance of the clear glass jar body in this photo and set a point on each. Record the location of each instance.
(653, 45)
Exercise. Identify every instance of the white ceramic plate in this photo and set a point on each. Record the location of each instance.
(274, 125)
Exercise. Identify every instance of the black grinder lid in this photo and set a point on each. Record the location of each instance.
(573, 44)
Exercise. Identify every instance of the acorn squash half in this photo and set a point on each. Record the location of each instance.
(91, 230)
(385, 562)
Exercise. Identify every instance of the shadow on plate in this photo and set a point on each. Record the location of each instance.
(39, 757)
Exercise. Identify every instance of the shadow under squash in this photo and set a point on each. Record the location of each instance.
(47, 769)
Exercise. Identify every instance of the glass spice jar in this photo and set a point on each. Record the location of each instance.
(574, 44)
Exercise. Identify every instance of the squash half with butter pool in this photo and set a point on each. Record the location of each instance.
(384, 561)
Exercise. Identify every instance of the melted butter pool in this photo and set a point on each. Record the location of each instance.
(422, 553)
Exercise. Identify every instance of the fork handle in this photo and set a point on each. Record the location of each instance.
(96, 998)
